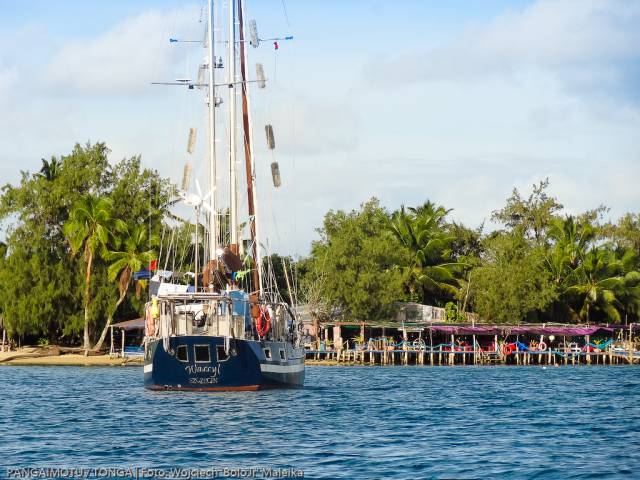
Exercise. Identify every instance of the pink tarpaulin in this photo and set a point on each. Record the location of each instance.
(523, 329)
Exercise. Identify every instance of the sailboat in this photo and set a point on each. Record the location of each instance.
(227, 331)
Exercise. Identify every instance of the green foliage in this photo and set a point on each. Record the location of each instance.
(625, 234)
(598, 285)
(42, 286)
(430, 275)
(354, 269)
(512, 283)
(541, 267)
(77, 229)
(452, 314)
(90, 226)
(275, 264)
(530, 217)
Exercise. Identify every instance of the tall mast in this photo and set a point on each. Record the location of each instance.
(248, 148)
(233, 182)
(213, 224)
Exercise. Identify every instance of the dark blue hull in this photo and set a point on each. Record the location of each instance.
(205, 363)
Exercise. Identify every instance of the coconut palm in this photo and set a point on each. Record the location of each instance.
(88, 229)
(421, 231)
(134, 253)
(50, 169)
(597, 285)
(571, 241)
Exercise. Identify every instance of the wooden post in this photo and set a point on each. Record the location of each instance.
(610, 354)
(431, 345)
(630, 344)
(453, 346)
(586, 344)
(122, 342)
(337, 337)
(474, 349)
(111, 352)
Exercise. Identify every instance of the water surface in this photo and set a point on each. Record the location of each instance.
(349, 422)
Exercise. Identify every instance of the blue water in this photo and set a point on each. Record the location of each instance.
(349, 422)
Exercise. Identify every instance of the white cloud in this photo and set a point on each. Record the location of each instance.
(503, 104)
(588, 43)
(8, 78)
(124, 59)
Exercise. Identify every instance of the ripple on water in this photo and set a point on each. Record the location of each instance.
(371, 422)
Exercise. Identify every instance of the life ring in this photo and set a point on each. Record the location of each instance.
(149, 323)
(263, 322)
(542, 346)
(506, 349)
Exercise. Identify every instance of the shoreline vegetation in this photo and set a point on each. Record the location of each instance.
(78, 230)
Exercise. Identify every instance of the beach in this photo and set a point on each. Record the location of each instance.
(53, 356)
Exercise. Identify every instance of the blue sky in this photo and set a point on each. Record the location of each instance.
(457, 101)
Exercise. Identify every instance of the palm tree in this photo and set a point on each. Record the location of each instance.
(571, 242)
(421, 231)
(88, 229)
(133, 254)
(50, 169)
(597, 284)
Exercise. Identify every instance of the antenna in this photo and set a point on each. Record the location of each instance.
(212, 103)
(254, 224)
(233, 182)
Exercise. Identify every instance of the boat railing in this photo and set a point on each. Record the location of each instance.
(193, 296)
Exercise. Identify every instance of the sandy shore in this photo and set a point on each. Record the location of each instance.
(53, 356)
(38, 356)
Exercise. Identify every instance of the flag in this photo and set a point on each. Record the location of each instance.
(275, 45)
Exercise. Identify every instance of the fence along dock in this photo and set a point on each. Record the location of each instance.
(439, 357)
(450, 344)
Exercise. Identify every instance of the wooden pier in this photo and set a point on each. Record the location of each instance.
(440, 356)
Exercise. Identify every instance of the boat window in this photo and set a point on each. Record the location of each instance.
(202, 353)
(282, 355)
(183, 354)
(267, 353)
(222, 355)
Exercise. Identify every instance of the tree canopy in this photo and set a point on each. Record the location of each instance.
(77, 229)
(50, 214)
(540, 266)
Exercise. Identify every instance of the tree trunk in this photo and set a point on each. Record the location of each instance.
(123, 294)
(87, 285)
(466, 295)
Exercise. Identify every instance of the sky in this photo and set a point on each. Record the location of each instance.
(458, 102)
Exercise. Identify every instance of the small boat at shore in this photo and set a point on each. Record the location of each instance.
(229, 330)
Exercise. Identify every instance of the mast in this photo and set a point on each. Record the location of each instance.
(233, 182)
(248, 148)
(213, 224)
